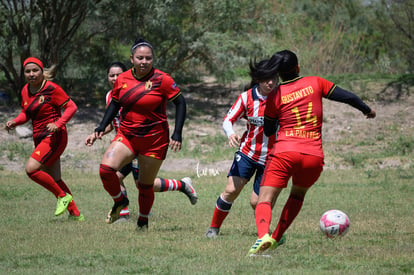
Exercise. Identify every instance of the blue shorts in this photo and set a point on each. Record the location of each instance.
(245, 168)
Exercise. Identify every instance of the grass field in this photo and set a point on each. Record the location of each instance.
(369, 174)
(380, 240)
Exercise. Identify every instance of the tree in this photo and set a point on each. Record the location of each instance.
(45, 28)
(194, 36)
(398, 29)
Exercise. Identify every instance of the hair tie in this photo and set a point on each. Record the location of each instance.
(141, 44)
(33, 60)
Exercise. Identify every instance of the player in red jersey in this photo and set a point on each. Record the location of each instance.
(142, 92)
(160, 184)
(296, 105)
(253, 146)
(42, 102)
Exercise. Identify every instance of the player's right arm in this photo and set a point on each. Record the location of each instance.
(270, 123)
(109, 115)
(234, 114)
(20, 119)
(90, 140)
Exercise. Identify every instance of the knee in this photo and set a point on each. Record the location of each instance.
(253, 204)
(106, 171)
(31, 167)
(231, 192)
(229, 196)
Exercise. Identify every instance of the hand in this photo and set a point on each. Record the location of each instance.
(51, 127)
(234, 140)
(90, 139)
(175, 145)
(10, 125)
(99, 132)
(371, 114)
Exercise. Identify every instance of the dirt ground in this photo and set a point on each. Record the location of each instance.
(209, 102)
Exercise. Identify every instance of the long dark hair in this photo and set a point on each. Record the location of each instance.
(284, 63)
(260, 71)
(117, 64)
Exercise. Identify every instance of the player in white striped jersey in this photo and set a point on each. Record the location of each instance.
(253, 145)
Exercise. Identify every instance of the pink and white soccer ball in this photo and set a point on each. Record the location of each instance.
(334, 223)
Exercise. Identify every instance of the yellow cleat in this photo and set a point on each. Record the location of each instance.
(262, 245)
(62, 204)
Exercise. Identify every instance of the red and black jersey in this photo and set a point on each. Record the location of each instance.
(43, 107)
(297, 104)
(144, 102)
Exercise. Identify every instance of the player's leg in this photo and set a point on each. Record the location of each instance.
(256, 185)
(122, 174)
(290, 211)
(55, 171)
(46, 153)
(242, 169)
(306, 173)
(149, 168)
(116, 156)
(224, 203)
(185, 185)
(274, 180)
(35, 173)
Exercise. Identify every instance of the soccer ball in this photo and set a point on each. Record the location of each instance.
(334, 223)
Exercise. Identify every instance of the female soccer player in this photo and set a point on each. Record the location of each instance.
(297, 107)
(160, 184)
(142, 92)
(253, 145)
(42, 101)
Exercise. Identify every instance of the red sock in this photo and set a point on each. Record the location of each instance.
(263, 216)
(45, 180)
(170, 185)
(289, 213)
(72, 208)
(110, 182)
(145, 199)
(221, 211)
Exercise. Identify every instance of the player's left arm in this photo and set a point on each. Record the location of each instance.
(344, 96)
(70, 110)
(180, 114)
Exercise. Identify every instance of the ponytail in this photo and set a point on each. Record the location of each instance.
(285, 63)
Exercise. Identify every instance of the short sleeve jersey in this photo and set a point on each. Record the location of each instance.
(297, 104)
(254, 143)
(43, 107)
(144, 102)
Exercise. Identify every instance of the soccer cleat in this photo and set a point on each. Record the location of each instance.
(79, 218)
(279, 243)
(123, 216)
(189, 190)
(143, 228)
(62, 204)
(261, 245)
(142, 225)
(212, 232)
(116, 209)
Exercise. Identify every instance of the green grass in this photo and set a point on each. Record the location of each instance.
(380, 241)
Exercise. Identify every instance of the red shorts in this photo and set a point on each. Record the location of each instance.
(49, 149)
(304, 169)
(153, 146)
